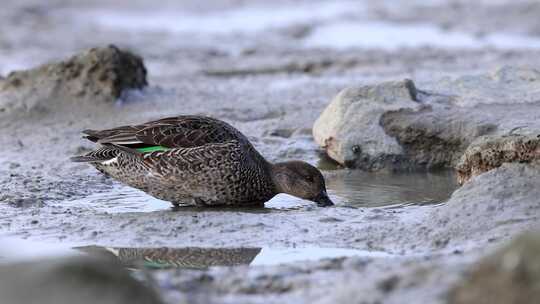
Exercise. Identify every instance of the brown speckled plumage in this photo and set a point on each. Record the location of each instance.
(187, 257)
(205, 162)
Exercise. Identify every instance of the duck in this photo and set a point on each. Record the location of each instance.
(193, 160)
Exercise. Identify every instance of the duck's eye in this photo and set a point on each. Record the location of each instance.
(309, 178)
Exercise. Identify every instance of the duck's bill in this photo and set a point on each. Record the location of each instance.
(323, 200)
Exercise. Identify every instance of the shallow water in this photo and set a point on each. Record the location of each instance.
(247, 19)
(365, 189)
(203, 257)
(350, 188)
(336, 25)
(393, 36)
(18, 250)
(119, 200)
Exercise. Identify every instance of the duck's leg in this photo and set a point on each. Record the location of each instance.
(200, 203)
(181, 201)
(259, 204)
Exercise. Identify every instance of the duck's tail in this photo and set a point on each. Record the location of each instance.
(102, 154)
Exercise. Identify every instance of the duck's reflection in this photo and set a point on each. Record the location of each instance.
(165, 257)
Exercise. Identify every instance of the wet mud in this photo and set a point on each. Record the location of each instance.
(393, 237)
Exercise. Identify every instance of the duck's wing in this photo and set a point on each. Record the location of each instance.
(172, 132)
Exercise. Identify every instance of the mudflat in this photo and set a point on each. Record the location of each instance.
(402, 230)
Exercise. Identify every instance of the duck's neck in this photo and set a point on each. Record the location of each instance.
(277, 173)
(280, 175)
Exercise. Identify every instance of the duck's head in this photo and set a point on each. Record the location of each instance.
(302, 180)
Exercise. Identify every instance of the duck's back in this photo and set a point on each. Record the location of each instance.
(183, 131)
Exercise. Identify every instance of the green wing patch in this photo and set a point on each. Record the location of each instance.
(152, 149)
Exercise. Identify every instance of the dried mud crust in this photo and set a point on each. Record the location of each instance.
(96, 75)
(490, 152)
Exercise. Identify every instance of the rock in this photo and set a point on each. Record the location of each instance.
(489, 152)
(97, 75)
(511, 275)
(349, 129)
(431, 128)
(71, 280)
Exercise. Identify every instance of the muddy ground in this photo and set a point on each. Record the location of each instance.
(269, 70)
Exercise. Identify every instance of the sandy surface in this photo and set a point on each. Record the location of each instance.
(270, 72)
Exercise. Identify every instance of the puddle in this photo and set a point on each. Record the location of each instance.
(16, 250)
(392, 36)
(124, 199)
(119, 199)
(273, 256)
(351, 188)
(367, 189)
(202, 257)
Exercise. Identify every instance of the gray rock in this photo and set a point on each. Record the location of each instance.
(435, 126)
(97, 75)
(349, 127)
(71, 280)
(511, 275)
(434, 137)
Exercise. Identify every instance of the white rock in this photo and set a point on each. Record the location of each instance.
(349, 126)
